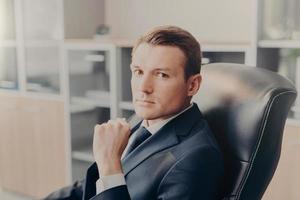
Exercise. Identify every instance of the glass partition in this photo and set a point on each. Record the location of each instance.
(42, 69)
(7, 20)
(8, 68)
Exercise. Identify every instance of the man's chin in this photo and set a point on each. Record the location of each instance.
(145, 115)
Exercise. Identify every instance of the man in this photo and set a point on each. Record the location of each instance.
(171, 153)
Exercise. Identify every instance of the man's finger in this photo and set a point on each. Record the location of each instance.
(122, 121)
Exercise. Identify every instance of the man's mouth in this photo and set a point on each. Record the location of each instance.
(144, 102)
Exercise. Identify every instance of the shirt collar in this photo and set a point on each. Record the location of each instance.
(154, 128)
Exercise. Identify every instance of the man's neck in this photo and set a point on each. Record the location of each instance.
(147, 123)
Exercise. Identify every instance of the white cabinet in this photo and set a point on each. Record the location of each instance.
(34, 110)
(33, 152)
(41, 129)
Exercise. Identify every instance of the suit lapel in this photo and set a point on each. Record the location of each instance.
(165, 138)
(149, 147)
(92, 176)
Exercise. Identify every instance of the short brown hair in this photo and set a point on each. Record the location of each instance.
(177, 37)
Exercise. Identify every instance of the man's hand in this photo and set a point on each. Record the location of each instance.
(110, 140)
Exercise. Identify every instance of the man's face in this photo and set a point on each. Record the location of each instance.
(158, 84)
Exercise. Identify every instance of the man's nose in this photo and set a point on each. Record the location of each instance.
(146, 84)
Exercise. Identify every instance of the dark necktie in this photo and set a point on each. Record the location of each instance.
(140, 136)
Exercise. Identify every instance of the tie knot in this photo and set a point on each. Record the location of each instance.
(140, 136)
(142, 133)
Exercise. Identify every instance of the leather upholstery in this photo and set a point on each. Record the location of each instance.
(246, 108)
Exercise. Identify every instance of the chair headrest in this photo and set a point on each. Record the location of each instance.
(246, 108)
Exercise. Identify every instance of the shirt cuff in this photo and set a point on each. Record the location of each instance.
(108, 182)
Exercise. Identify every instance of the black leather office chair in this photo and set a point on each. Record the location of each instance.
(246, 107)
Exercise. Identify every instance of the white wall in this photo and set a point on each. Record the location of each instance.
(82, 17)
(208, 20)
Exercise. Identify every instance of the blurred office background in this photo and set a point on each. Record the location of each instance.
(64, 66)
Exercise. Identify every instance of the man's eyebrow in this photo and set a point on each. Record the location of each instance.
(132, 66)
(162, 69)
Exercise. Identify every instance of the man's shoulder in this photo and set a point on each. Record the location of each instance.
(200, 138)
(200, 134)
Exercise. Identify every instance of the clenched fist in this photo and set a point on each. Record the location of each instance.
(110, 140)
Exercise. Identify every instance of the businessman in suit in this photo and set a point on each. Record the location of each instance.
(170, 153)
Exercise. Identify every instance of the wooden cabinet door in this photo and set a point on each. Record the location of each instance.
(40, 163)
(10, 155)
(286, 180)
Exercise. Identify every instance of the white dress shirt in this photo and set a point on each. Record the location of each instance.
(107, 182)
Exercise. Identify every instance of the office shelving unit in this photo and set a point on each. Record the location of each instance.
(91, 93)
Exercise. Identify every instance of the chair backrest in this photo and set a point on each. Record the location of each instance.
(246, 108)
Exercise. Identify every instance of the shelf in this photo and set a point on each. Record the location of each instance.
(98, 95)
(279, 43)
(296, 108)
(87, 44)
(119, 42)
(294, 122)
(95, 58)
(225, 47)
(128, 43)
(41, 43)
(77, 108)
(84, 154)
(86, 101)
(37, 87)
(126, 105)
(8, 85)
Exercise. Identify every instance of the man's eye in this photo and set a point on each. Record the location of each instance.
(137, 72)
(162, 75)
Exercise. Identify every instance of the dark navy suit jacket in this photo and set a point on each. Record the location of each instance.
(181, 161)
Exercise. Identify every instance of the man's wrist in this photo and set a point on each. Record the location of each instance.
(109, 167)
(108, 182)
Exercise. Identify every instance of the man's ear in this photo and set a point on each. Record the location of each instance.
(194, 83)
